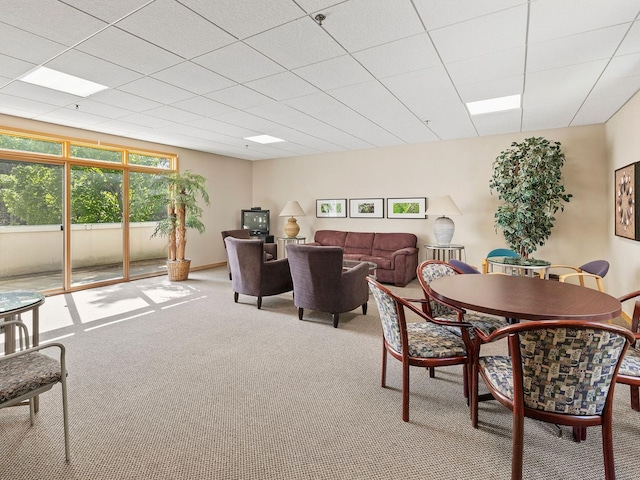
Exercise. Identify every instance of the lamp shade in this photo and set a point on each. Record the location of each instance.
(443, 227)
(292, 209)
(444, 206)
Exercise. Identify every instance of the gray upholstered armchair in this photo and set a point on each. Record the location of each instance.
(319, 282)
(251, 274)
(270, 249)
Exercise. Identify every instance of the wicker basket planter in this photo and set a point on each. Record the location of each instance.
(178, 270)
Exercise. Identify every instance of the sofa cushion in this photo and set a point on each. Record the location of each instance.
(352, 256)
(359, 242)
(382, 262)
(333, 238)
(385, 244)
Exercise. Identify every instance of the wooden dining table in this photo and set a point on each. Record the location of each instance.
(525, 298)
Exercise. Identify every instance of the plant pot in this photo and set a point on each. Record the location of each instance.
(178, 270)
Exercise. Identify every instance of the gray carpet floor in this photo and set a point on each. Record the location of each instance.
(176, 381)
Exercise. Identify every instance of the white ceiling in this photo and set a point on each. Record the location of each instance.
(203, 74)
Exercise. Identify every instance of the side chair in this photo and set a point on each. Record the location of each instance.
(463, 267)
(629, 373)
(595, 270)
(28, 373)
(427, 272)
(422, 344)
(557, 371)
(270, 249)
(497, 252)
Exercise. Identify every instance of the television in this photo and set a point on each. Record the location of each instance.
(256, 221)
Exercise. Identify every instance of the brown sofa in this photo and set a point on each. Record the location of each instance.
(396, 254)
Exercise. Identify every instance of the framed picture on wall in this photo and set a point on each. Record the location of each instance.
(406, 207)
(627, 222)
(331, 208)
(366, 208)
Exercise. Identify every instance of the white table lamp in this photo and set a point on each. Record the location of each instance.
(443, 227)
(292, 209)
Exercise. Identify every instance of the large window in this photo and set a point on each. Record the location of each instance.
(74, 213)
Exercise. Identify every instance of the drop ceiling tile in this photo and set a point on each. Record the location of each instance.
(402, 56)
(552, 19)
(561, 85)
(162, 23)
(414, 85)
(239, 62)
(216, 126)
(360, 24)
(334, 73)
(452, 125)
(26, 46)
(203, 106)
(613, 87)
(574, 49)
(239, 97)
(108, 11)
(498, 123)
(194, 78)
(12, 67)
(249, 121)
(39, 94)
(481, 36)
(437, 14)
(500, 87)
(312, 6)
(557, 115)
(362, 93)
(631, 43)
(51, 19)
(22, 107)
(83, 65)
(248, 17)
(599, 109)
(316, 102)
(100, 109)
(622, 66)
(173, 114)
(146, 120)
(506, 63)
(122, 48)
(157, 90)
(282, 86)
(416, 132)
(387, 114)
(296, 44)
(118, 98)
(71, 117)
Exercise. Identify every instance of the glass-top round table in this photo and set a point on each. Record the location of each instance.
(519, 266)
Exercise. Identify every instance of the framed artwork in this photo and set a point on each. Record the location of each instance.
(366, 208)
(406, 207)
(626, 197)
(331, 208)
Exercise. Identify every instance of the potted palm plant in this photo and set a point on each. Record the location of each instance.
(180, 192)
(528, 178)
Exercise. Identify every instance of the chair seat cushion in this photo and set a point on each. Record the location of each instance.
(497, 369)
(630, 364)
(25, 373)
(428, 340)
(487, 324)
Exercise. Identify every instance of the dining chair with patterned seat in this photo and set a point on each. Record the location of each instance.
(557, 371)
(428, 271)
(29, 372)
(423, 344)
(629, 373)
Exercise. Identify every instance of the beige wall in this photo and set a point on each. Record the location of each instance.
(228, 183)
(460, 168)
(623, 148)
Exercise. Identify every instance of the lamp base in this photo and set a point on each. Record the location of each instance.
(443, 229)
(291, 229)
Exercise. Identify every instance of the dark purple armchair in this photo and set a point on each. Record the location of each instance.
(251, 274)
(320, 282)
(270, 249)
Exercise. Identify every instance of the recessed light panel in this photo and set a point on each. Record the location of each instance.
(45, 77)
(264, 139)
(494, 105)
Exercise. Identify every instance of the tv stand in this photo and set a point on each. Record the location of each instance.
(262, 235)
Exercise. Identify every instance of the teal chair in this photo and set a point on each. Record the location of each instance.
(497, 252)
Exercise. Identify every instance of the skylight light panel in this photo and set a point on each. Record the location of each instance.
(46, 77)
(492, 105)
(264, 139)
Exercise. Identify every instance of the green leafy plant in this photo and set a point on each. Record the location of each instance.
(181, 192)
(528, 178)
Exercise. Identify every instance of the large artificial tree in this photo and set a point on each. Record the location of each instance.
(528, 179)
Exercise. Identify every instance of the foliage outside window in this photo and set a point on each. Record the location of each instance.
(528, 179)
(32, 145)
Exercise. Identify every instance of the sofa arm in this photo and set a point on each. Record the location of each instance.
(405, 263)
